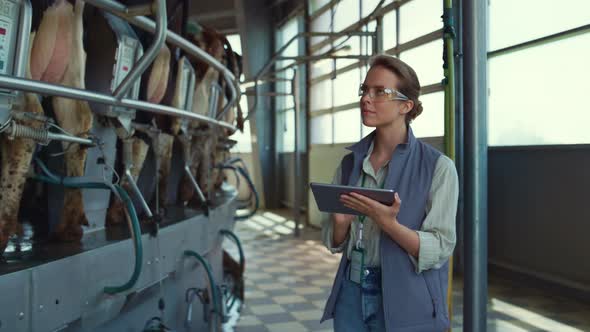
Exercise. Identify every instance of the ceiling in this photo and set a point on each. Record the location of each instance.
(219, 14)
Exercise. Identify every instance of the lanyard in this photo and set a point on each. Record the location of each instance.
(359, 241)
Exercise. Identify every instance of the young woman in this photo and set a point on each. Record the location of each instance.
(394, 270)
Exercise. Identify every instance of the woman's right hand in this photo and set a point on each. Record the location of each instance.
(341, 227)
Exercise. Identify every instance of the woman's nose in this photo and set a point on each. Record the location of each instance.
(365, 98)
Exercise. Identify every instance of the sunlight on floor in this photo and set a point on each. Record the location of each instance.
(531, 318)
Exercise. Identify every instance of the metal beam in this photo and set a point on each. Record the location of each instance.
(541, 41)
(422, 40)
(359, 24)
(475, 21)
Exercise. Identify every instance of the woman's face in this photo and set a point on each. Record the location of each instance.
(378, 113)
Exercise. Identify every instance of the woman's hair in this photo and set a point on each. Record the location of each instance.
(408, 81)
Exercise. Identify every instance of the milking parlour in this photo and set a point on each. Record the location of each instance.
(294, 166)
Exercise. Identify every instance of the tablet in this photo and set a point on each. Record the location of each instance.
(327, 196)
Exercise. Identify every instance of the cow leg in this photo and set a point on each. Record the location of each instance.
(16, 156)
(116, 212)
(75, 117)
(164, 156)
(16, 159)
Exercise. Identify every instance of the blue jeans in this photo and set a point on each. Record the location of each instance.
(360, 308)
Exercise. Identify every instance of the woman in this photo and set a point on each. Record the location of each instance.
(394, 270)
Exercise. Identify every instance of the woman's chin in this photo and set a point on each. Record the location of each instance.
(369, 123)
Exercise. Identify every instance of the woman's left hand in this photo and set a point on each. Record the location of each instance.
(382, 214)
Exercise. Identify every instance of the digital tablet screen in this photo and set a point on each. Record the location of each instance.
(327, 196)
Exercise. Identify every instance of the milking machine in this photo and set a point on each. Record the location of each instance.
(113, 51)
(72, 283)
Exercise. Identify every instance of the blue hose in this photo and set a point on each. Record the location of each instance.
(246, 176)
(51, 178)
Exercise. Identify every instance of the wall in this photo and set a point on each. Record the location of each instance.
(539, 212)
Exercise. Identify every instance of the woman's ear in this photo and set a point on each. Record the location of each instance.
(407, 106)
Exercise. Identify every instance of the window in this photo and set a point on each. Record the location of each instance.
(321, 95)
(346, 87)
(337, 99)
(540, 95)
(420, 17)
(314, 5)
(431, 123)
(427, 62)
(346, 12)
(347, 126)
(288, 132)
(389, 34)
(321, 129)
(285, 133)
(244, 140)
(542, 18)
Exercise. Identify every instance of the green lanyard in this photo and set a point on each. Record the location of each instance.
(359, 242)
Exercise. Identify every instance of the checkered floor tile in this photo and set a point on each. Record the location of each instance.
(288, 280)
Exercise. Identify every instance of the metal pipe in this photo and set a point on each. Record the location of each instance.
(188, 172)
(475, 101)
(137, 192)
(378, 46)
(71, 139)
(168, 110)
(297, 155)
(22, 47)
(24, 84)
(148, 57)
(378, 11)
(214, 100)
(146, 24)
(322, 57)
(139, 10)
(276, 57)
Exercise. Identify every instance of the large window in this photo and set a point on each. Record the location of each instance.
(284, 105)
(244, 139)
(538, 95)
(335, 115)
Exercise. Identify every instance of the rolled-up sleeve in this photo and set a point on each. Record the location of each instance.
(438, 232)
(328, 225)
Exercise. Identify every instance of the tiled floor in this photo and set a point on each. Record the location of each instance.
(288, 280)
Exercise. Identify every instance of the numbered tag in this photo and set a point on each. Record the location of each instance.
(357, 261)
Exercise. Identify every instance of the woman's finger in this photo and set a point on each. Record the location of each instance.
(397, 202)
(351, 199)
(355, 207)
(364, 199)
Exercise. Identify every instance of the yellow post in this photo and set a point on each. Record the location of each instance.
(449, 82)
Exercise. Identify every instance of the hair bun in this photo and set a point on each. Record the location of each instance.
(417, 110)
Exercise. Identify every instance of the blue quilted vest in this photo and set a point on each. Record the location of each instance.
(411, 302)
